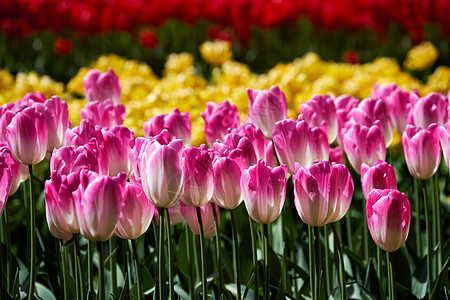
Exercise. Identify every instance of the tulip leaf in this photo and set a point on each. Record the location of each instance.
(372, 287)
(441, 281)
(419, 280)
(181, 292)
(125, 293)
(401, 268)
(43, 292)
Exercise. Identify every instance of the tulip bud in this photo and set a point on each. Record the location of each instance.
(318, 109)
(380, 176)
(56, 114)
(363, 145)
(162, 172)
(98, 208)
(388, 218)
(266, 108)
(264, 191)
(189, 213)
(178, 124)
(27, 137)
(227, 179)
(422, 150)
(136, 213)
(104, 113)
(433, 108)
(198, 181)
(323, 193)
(218, 119)
(118, 142)
(100, 86)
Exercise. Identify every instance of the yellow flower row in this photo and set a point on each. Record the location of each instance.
(145, 94)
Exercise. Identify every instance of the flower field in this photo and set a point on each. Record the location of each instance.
(224, 150)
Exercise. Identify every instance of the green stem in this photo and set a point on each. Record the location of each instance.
(90, 266)
(438, 223)
(215, 208)
(64, 273)
(429, 249)
(327, 262)
(265, 228)
(255, 256)
(365, 233)
(9, 266)
(138, 270)
(75, 272)
(32, 236)
(317, 262)
(126, 272)
(433, 225)
(380, 275)
(348, 225)
(391, 281)
(341, 263)
(101, 272)
(113, 266)
(417, 219)
(161, 264)
(190, 258)
(79, 266)
(311, 261)
(202, 254)
(237, 271)
(170, 248)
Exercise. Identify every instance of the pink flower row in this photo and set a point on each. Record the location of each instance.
(88, 192)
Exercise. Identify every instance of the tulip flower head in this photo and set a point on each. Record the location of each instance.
(422, 150)
(118, 142)
(82, 134)
(380, 176)
(100, 86)
(433, 108)
(219, 117)
(178, 124)
(318, 109)
(264, 191)
(388, 218)
(104, 113)
(266, 108)
(5, 180)
(189, 213)
(27, 136)
(13, 165)
(323, 193)
(444, 136)
(162, 172)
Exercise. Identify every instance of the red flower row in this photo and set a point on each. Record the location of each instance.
(19, 17)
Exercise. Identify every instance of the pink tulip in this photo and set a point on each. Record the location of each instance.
(227, 182)
(271, 159)
(398, 102)
(337, 155)
(323, 193)
(363, 145)
(178, 124)
(7, 112)
(27, 137)
(219, 117)
(321, 141)
(294, 142)
(100, 86)
(433, 108)
(206, 211)
(256, 137)
(368, 112)
(380, 176)
(33, 98)
(91, 156)
(5, 180)
(81, 135)
(198, 181)
(444, 136)
(344, 104)
(60, 207)
(118, 142)
(98, 205)
(266, 108)
(318, 109)
(264, 191)
(422, 150)
(136, 213)
(242, 143)
(388, 218)
(162, 172)
(56, 115)
(104, 113)
(13, 165)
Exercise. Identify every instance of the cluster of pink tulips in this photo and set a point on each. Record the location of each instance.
(105, 181)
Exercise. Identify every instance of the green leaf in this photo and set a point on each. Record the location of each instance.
(372, 288)
(44, 292)
(441, 281)
(419, 280)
